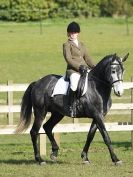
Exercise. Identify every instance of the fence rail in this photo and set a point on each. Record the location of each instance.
(10, 108)
(11, 87)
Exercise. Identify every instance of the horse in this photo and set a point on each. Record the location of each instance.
(94, 104)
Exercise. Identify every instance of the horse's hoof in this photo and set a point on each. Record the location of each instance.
(43, 163)
(53, 158)
(86, 162)
(118, 162)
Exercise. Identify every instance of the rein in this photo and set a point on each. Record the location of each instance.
(106, 83)
(100, 80)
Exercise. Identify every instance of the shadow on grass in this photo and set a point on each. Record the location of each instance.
(17, 162)
(126, 144)
(30, 162)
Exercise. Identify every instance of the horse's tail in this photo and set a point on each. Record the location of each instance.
(26, 110)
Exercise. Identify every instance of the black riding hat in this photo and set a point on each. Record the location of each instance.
(73, 27)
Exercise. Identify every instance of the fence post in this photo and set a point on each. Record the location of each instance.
(57, 138)
(75, 120)
(42, 144)
(132, 114)
(10, 103)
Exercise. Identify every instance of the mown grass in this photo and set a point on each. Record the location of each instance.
(17, 157)
(26, 55)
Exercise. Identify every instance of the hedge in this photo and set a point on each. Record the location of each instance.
(32, 10)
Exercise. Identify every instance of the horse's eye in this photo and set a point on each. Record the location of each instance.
(113, 72)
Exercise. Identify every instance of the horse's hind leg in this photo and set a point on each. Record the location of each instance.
(39, 116)
(48, 127)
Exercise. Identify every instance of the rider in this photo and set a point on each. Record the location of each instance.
(77, 58)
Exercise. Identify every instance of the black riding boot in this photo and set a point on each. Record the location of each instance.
(71, 103)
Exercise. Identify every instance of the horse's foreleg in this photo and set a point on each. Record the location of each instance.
(106, 138)
(48, 127)
(90, 137)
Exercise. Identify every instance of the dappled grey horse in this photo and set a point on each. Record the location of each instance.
(95, 103)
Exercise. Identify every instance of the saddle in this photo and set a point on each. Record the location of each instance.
(73, 100)
(81, 85)
(62, 86)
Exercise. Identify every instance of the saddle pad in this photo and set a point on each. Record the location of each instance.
(60, 87)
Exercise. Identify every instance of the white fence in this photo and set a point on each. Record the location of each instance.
(10, 108)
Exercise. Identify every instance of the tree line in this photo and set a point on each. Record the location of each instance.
(34, 10)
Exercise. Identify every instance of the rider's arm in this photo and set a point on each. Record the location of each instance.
(87, 58)
(72, 63)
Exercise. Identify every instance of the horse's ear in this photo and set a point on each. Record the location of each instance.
(125, 57)
(113, 57)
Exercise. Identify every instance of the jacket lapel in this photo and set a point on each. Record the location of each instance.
(79, 45)
(72, 43)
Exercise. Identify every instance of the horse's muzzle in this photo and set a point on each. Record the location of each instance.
(118, 88)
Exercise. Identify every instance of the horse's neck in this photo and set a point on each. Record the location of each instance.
(104, 89)
(98, 74)
(100, 91)
(100, 82)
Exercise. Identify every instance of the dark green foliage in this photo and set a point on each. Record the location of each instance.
(33, 10)
(4, 9)
(116, 7)
(77, 8)
(25, 10)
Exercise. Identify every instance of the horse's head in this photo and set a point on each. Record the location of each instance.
(117, 71)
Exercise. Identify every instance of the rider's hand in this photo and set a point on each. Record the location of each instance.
(83, 69)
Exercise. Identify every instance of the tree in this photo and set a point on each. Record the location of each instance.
(124, 8)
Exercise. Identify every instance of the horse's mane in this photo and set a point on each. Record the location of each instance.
(105, 60)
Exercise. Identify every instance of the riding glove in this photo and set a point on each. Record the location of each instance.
(83, 69)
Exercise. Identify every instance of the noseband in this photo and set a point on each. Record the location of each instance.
(116, 81)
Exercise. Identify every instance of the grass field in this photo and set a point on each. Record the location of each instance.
(16, 157)
(25, 56)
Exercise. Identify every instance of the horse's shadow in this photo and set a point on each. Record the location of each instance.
(126, 145)
(29, 162)
(17, 162)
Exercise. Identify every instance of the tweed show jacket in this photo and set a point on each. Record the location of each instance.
(75, 56)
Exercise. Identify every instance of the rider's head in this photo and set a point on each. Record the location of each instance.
(73, 30)
(73, 27)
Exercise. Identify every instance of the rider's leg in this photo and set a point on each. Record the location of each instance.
(74, 79)
(70, 102)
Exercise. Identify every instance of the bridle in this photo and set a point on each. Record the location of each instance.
(118, 80)
(105, 82)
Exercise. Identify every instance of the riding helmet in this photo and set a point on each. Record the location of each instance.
(73, 27)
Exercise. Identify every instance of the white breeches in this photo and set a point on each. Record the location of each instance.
(74, 79)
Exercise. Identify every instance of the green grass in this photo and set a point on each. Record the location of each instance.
(26, 55)
(17, 157)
